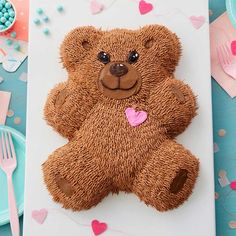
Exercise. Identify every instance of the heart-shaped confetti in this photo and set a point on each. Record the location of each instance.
(135, 118)
(145, 7)
(96, 7)
(40, 215)
(197, 21)
(23, 77)
(233, 47)
(98, 227)
(2, 55)
(232, 224)
(216, 148)
(233, 185)
(223, 179)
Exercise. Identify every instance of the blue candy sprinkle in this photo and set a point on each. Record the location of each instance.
(3, 2)
(13, 34)
(46, 31)
(9, 42)
(6, 15)
(8, 5)
(11, 13)
(17, 47)
(3, 19)
(40, 11)
(1, 6)
(4, 10)
(11, 19)
(1, 14)
(7, 23)
(60, 8)
(45, 18)
(2, 27)
(37, 21)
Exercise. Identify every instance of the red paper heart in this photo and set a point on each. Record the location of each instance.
(98, 227)
(145, 7)
(233, 185)
(233, 47)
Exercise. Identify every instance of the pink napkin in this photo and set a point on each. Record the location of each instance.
(221, 32)
(4, 103)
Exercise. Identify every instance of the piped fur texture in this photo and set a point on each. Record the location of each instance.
(108, 72)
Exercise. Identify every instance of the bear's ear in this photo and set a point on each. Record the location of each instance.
(77, 45)
(162, 44)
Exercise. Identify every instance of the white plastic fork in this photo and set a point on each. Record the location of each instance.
(227, 60)
(8, 164)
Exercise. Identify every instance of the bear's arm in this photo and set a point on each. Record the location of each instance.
(66, 108)
(174, 105)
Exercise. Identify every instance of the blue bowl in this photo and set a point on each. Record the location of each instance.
(18, 177)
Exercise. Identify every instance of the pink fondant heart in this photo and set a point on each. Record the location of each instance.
(233, 47)
(135, 118)
(40, 215)
(233, 185)
(145, 7)
(96, 7)
(98, 227)
(197, 21)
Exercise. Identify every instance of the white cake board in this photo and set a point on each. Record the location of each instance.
(123, 212)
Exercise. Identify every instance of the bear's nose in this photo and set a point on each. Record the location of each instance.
(118, 69)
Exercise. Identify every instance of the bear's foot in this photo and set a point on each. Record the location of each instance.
(168, 178)
(179, 181)
(64, 185)
(74, 179)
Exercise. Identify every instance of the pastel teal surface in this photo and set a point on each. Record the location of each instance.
(231, 9)
(18, 176)
(224, 116)
(18, 89)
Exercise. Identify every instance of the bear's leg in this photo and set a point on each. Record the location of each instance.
(168, 177)
(74, 178)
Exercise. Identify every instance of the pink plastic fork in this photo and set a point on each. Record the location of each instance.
(227, 60)
(8, 164)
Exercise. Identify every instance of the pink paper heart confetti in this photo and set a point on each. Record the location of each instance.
(216, 148)
(197, 21)
(98, 227)
(145, 7)
(40, 215)
(233, 47)
(232, 224)
(233, 185)
(96, 7)
(135, 118)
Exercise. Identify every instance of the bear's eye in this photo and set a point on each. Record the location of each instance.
(133, 57)
(104, 57)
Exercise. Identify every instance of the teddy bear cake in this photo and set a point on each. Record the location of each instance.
(121, 110)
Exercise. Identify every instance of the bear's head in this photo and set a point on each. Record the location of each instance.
(120, 63)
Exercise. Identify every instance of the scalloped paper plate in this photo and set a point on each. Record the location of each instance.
(18, 177)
